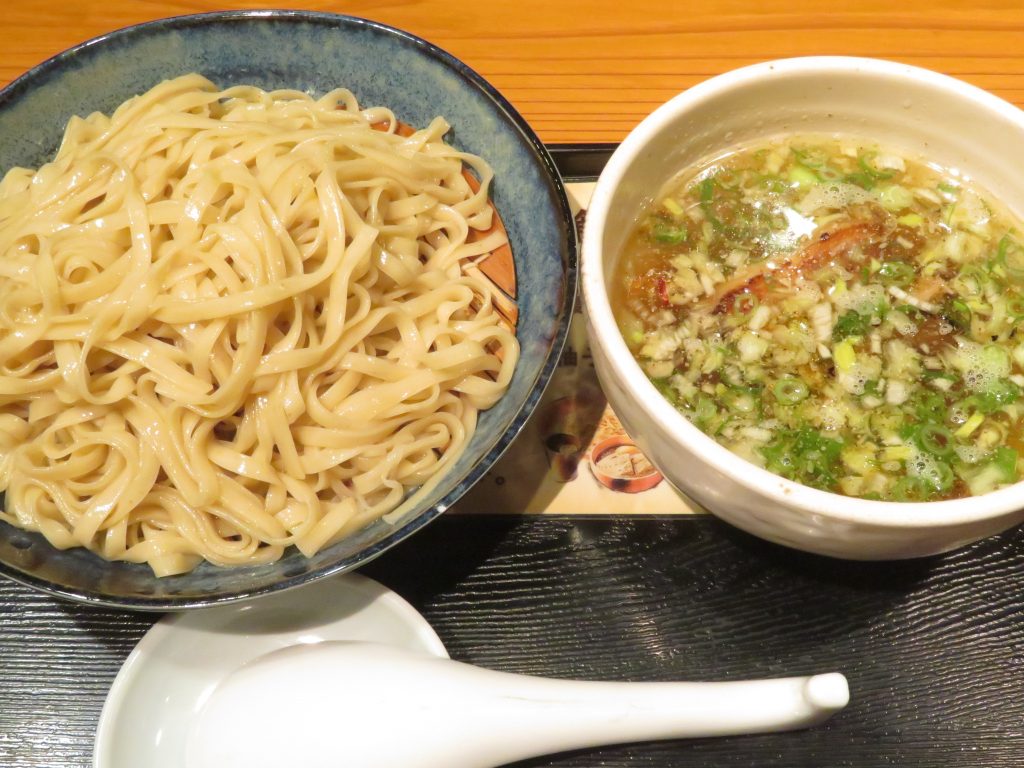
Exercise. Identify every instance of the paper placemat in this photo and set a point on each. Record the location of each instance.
(573, 456)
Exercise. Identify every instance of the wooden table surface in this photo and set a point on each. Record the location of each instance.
(589, 70)
(933, 649)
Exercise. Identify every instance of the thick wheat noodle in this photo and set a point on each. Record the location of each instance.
(234, 321)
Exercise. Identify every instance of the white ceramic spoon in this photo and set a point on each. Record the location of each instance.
(366, 705)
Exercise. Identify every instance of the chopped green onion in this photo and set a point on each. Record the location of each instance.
(1010, 255)
(977, 273)
(968, 427)
(958, 314)
(742, 399)
(934, 439)
(896, 453)
(996, 360)
(844, 354)
(802, 177)
(810, 158)
(999, 393)
(907, 489)
(1000, 469)
(1005, 460)
(804, 455)
(790, 391)
(1015, 307)
(863, 160)
(666, 390)
(669, 234)
(939, 477)
(893, 197)
(707, 205)
(896, 273)
(828, 173)
(704, 411)
(672, 206)
(928, 406)
(850, 324)
(868, 176)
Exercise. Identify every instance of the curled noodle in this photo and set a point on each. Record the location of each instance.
(235, 321)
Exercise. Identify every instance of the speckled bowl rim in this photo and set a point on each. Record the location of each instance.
(39, 76)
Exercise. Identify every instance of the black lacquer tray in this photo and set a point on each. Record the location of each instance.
(933, 649)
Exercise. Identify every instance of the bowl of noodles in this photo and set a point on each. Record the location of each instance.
(805, 286)
(275, 289)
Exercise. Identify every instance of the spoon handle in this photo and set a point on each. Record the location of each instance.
(561, 715)
(358, 705)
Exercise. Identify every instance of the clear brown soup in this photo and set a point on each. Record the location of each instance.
(838, 313)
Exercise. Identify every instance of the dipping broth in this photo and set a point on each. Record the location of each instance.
(837, 313)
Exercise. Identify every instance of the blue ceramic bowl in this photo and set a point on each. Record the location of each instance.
(314, 52)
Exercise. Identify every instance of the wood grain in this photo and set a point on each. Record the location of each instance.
(933, 649)
(583, 70)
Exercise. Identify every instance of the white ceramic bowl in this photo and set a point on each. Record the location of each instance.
(919, 112)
